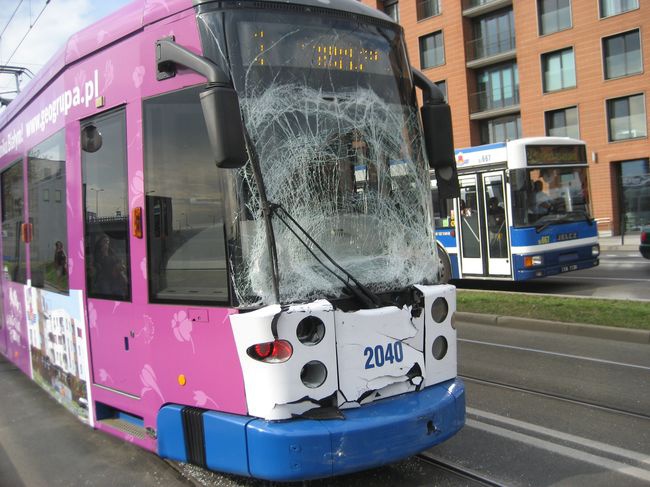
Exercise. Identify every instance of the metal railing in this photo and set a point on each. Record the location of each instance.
(427, 8)
(482, 101)
(481, 48)
(476, 3)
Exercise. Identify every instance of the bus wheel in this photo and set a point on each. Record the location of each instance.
(444, 265)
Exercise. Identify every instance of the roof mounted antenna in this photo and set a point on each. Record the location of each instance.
(17, 72)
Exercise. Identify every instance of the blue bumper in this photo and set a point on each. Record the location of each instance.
(302, 449)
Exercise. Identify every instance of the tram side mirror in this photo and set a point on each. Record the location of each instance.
(225, 129)
(439, 144)
(219, 101)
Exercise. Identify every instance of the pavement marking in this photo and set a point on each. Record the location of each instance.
(594, 445)
(558, 354)
(573, 453)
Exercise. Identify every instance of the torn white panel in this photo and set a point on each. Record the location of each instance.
(348, 167)
(445, 368)
(374, 352)
(275, 390)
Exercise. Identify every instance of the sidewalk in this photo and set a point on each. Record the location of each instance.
(630, 243)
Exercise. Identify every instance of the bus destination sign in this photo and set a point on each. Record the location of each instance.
(556, 154)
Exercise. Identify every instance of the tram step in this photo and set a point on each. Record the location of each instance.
(121, 420)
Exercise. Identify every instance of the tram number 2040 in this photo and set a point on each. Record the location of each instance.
(378, 356)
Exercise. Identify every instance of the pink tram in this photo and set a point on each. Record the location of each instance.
(277, 314)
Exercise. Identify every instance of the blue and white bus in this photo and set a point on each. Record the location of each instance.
(523, 211)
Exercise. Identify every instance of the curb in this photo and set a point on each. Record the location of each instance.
(577, 329)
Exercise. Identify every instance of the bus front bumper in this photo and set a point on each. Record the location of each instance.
(300, 449)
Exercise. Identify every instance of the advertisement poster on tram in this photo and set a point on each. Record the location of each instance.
(58, 348)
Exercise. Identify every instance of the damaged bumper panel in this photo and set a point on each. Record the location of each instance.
(369, 436)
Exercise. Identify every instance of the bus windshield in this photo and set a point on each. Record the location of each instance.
(544, 196)
(329, 106)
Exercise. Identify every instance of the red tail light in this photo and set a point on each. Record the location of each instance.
(274, 352)
(644, 238)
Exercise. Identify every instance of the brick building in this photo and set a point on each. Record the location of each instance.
(523, 68)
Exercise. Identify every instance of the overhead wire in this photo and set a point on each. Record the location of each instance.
(47, 2)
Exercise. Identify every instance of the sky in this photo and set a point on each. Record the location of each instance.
(58, 21)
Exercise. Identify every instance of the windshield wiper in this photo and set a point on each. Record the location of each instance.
(565, 219)
(364, 294)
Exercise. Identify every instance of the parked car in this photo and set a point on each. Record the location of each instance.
(644, 248)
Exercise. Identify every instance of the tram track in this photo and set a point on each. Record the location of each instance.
(550, 395)
(457, 470)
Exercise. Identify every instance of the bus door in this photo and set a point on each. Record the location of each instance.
(495, 221)
(117, 348)
(469, 210)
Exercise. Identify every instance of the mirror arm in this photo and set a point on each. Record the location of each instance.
(169, 54)
(431, 94)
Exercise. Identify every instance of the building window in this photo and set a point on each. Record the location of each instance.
(622, 54)
(493, 34)
(615, 7)
(626, 118)
(48, 247)
(500, 129)
(559, 70)
(554, 15)
(391, 8)
(443, 87)
(432, 50)
(498, 87)
(563, 123)
(427, 8)
(105, 185)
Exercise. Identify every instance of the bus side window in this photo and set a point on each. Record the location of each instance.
(48, 246)
(13, 259)
(106, 208)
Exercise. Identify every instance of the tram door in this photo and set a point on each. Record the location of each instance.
(495, 220)
(471, 252)
(483, 225)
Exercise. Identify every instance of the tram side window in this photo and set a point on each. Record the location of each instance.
(12, 218)
(49, 244)
(185, 203)
(105, 206)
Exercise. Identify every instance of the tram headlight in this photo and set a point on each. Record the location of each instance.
(310, 331)
(313, 374)
(595, 250)
(439, 310)
(533, 260)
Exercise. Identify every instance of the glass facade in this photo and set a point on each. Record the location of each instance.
(498, 87)
(559, 70)
(622, 54)
(563, 123)
(500, 129)
(493, 34)
(626, 117)
(554, 15)
(427, 8)
(634, 189)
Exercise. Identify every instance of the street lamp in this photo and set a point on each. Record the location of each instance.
(97, 191)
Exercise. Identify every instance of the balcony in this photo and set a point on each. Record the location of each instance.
(484, 105)
(427, 8)
(481, 52)
(474, 8)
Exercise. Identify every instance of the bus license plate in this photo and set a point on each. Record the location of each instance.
(567, 268)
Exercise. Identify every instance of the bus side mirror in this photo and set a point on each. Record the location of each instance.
(219, 101)
(225, 129)
(439, 144)
(438, 136)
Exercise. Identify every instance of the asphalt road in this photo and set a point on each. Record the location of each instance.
(620, 275)
(543, 409)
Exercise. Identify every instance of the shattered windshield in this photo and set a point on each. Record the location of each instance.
(550, 195)
(328, 104)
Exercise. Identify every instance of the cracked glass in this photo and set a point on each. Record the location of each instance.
(329, 106)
